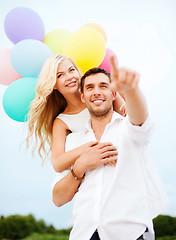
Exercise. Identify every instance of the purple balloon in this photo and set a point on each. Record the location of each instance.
(24, 23)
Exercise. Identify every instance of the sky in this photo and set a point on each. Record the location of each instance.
(143, 36)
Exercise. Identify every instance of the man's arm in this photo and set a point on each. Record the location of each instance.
(126, 83)
(93, 157)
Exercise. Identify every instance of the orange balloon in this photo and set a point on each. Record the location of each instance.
(98, 28)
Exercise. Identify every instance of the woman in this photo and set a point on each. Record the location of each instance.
(58, 110)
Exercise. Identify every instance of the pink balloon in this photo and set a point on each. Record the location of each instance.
(7, 72)
(106, 63)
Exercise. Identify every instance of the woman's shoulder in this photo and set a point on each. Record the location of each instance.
(60, 124)
(75, 122)
(66, 115)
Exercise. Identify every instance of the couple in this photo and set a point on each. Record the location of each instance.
(114, 199)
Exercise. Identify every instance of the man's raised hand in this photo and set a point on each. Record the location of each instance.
(122, 80)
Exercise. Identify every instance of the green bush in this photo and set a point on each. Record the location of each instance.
(18, 227)
(164, 226)
(64, 232)
(28, 228)
(166, 238)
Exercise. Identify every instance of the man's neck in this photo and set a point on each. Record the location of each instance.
(98, 124)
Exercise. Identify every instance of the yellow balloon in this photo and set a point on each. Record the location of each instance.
(87, 47)
(98, 28)
(56, 39)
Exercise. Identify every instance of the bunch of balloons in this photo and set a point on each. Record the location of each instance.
(21, 65)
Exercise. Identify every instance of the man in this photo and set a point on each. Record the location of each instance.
(112, 203)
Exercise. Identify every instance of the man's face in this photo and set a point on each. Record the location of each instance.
(97, 94)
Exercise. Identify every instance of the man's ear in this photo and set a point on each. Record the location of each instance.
(114, 95)
(82, 97)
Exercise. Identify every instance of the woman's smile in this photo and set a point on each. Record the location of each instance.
(71, 83)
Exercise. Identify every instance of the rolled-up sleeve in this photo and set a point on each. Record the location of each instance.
(141, 134)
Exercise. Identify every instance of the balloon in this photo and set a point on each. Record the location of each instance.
(28, 57)
(23, 23)
(7, 72)
(106, 63)
(56, 39)
(17, 98)
(98, 28)
(87, 47)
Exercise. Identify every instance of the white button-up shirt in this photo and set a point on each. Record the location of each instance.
(120, 201)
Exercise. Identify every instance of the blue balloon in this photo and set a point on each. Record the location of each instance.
(18, 96)
(28, 57)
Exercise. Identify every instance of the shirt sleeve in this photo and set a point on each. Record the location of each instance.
(59, 176)
(141, 134)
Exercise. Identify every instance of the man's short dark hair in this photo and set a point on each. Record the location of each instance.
(93, 71)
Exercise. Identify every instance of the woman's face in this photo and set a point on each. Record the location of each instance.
(67, 78)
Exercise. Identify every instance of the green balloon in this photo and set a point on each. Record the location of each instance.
(56, 39)
(18, 96)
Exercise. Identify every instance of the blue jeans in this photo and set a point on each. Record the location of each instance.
(95, 236)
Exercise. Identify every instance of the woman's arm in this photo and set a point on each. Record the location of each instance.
(64, 190)
(62, 160)
(92, 157)
(119, 105)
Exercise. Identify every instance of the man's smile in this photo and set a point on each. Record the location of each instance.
(98, 101)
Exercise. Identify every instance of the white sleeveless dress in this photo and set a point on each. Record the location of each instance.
(75, 122)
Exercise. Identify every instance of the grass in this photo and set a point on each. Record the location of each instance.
(166, 238)
(37, 236)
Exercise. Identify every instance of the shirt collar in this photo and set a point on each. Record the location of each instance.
(114, 117)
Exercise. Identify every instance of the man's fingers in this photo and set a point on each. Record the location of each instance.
(114, 66)
(130, 77)
(136, 79)
(113, 61)
(122, 77)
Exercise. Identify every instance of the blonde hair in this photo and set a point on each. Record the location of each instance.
(48, 103)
